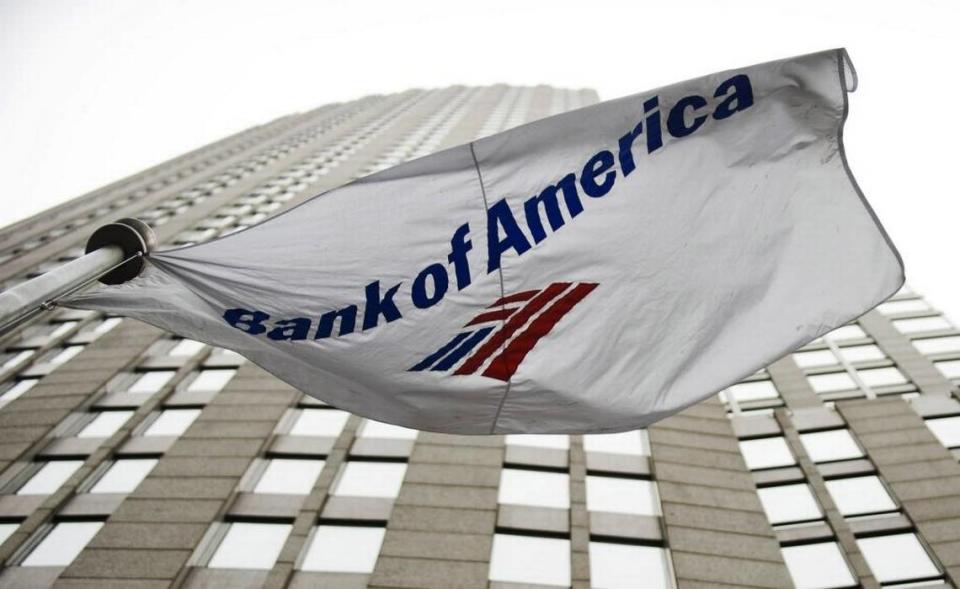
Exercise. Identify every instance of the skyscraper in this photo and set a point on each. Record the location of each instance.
(132, 458)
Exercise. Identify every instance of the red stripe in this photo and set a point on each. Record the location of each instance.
(516, 297)
(504, 365)
(497, 315)
(516, 322)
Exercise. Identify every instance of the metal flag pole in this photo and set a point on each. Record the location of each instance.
(114, 254)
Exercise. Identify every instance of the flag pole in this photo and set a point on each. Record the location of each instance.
(114, 254)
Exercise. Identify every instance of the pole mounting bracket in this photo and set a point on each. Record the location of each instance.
(134, 237)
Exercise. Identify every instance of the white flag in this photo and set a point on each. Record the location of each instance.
(594, 271)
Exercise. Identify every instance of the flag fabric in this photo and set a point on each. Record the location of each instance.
(593, 271)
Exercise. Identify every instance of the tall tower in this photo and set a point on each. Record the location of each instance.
(132, 458)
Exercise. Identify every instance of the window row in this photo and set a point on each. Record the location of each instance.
(824, 446)
(119, 476)
(895, 558)
(536, 560)
(127, 198)
(833, 382)
(546, 561)
(853, 496)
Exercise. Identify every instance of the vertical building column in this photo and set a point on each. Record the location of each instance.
(579, 516)
(835, 519)
(715, 526)
(446, 512)
(922, 473)
(282, 573)
(791, 383)
(896, 345)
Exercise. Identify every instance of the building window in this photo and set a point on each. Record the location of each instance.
(15, 358)
(17, 389)
(815, 566)
(847, 332)
(377, 429)
(289, 476)
(61, 328)
(787, 504)
(319, 422)
(124, 476)
(186, 348)
(172, 422)
(766, 453)
(904, 306)
(343, 549)
(949, 368)
(548, 441)
(7, 530)
(63, 355)
(868, 353)
(370, 479)
(937, 345)
(250, 546)
(105, 325)
(830, 445)
(758, 390)
(622, 495)
(881, 377)
(860, 495)
(530, 559)
(62, 544)
(222, 355)
(815, 359)
(148, 383)
(50, 477)
(947, 430)
(632, 443)
(899, 557)
(624, 566)
(535, 488)
(921, 324)
(95, 329)
(210, 381)
(105, 424)
(831, 382)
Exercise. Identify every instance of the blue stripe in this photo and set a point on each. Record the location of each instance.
(429, 360)
(464, 349)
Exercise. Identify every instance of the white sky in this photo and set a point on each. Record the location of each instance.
(93, 90)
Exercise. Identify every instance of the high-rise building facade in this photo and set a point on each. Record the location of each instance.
(132, 458)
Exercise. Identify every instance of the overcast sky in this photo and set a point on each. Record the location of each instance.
(91, 91)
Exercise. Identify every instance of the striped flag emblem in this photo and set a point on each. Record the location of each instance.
(495, 342)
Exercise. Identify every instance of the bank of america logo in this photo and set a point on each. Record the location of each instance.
(497, 340)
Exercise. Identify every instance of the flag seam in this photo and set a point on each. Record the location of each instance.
(486, 208)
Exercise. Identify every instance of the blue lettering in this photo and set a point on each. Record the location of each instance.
(651, 108)
(248, 321)
(627, 165)
(677, 120)
(290, 329)
(500, 215)
(459, 246)
(548, 198)
(439, 275)
(598, 165)
(741, 99)
(348, 322)
(597, 178)
(377, 305)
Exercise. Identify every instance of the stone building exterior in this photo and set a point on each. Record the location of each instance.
(130, 458)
